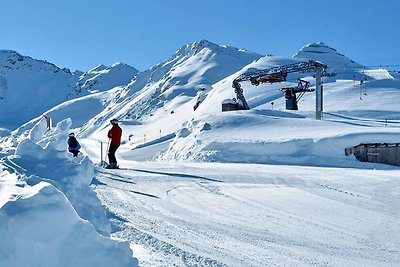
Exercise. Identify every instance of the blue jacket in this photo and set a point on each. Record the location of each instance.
(73, 144)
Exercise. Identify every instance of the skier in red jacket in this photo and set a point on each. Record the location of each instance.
(115, 135)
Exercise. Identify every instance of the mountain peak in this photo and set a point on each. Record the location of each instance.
(195, 47)
(319, 47)
(116, 66)
(10, 56)
(204, 43)
(11, 59)
(8, 52)
(98, 68)
(326, 54)
(123, 66)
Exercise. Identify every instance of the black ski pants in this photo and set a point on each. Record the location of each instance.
(111, 153)
(74, 152)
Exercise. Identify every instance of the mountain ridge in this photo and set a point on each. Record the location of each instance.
(30, 86)
(192, 67)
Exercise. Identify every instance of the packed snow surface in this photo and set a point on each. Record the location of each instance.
(220, 214)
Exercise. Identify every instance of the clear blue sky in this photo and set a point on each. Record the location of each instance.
(80, 34)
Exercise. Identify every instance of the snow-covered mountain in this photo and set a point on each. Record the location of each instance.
(175, 85)
(157, 107)
(328, 55)
(29, 87)
(338, 64)
(192, 84)
(177, 208)
(353, 92)
(102, 78)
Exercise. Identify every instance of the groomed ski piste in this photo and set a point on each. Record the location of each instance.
(259, 187)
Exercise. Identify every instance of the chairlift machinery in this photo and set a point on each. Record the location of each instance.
(279, 74)
(291, 93)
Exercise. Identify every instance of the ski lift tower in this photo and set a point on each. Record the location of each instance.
(318, 93)
(279, 74)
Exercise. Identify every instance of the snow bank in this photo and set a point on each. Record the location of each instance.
(49, 215)
(46, 159)
(275, 137)
(41, 228)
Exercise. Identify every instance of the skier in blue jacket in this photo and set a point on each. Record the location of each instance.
(73, 145)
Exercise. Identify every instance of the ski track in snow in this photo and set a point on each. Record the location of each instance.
(215, 212)
(132, 234)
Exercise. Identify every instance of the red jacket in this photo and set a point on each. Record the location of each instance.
(115, 135)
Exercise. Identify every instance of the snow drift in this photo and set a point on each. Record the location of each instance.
(49, 215)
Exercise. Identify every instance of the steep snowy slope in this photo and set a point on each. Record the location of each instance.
(175, 86)
(91, 104)
(29, 87)
(102, 78)
(328, 55)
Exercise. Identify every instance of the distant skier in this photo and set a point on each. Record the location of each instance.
(73, 145)
(114, 134)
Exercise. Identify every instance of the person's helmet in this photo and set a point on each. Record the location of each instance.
(114, 121)
(71, 135)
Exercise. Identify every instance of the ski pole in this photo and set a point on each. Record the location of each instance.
(108, 145)
(101, 152)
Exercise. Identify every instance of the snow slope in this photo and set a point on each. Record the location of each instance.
(102, 78)
(177, 83)
(29, 87)
(328, 55)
